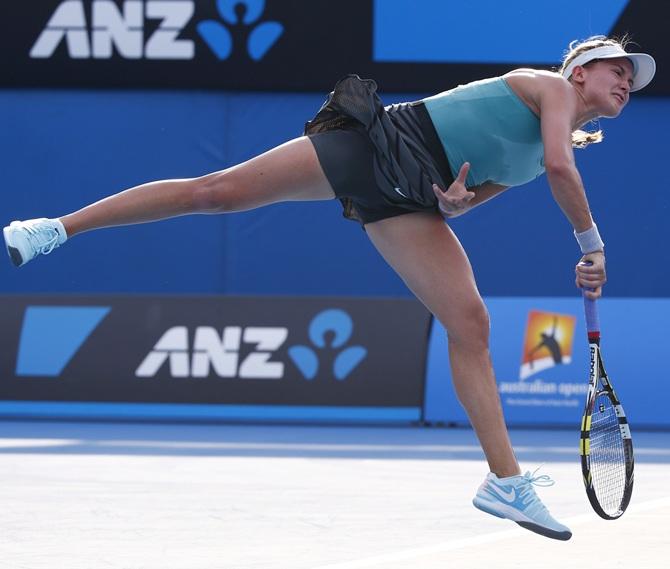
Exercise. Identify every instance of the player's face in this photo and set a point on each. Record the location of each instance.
(607, 85)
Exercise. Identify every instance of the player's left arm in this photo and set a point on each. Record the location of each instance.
(485, 192)
(482, 193)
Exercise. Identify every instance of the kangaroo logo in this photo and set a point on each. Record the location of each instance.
(548, 342)
(337, 326)
(240, 13)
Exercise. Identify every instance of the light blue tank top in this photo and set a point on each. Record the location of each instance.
(487, 124)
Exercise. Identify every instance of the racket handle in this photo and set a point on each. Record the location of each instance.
(590, 310)
(591, 313)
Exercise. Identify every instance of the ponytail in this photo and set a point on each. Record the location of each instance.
(582, 138)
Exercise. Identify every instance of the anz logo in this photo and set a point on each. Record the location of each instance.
(332, 327)
(227, 354)
(217, 352)
(122, 26)
(235, 352)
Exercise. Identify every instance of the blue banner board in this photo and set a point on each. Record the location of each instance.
(213, 357)
(539, 351)
(300, 45)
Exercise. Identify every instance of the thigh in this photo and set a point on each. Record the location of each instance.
(289, 172)
(428, 256)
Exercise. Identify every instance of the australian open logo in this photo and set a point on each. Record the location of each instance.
(329, 330)
(156, 29)
(548, 342)
(544, 378)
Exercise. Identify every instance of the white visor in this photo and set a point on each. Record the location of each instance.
(644, 66)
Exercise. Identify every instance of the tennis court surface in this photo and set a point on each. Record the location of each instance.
(148, 496)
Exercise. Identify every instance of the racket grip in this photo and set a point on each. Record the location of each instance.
(590, 310)
(591, 313)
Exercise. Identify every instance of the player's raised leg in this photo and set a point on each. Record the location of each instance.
(290, 172)
(429, 258)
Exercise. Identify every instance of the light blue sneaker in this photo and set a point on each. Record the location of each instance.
(514, 498)
(27, 239)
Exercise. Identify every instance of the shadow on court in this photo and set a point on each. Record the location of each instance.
(377, 443)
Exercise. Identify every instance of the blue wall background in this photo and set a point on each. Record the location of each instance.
(60, 150)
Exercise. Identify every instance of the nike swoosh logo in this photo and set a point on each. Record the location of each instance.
(403, 195)
(505, 495)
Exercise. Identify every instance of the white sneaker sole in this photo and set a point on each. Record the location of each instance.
(12, 250)
(508, 512)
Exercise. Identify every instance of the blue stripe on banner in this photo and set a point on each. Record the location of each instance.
(164, 411)
(487, 31)
(52, 335)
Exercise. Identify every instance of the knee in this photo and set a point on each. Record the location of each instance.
(212, 193)
(470, 330)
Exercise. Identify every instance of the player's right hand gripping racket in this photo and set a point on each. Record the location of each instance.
(606, 446)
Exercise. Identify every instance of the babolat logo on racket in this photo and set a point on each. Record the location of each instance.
(592, 358)
(97, 29)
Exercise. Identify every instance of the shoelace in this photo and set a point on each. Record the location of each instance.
(527, 490)
(34, 239)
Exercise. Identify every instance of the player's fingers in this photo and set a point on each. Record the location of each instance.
(463, 173)
(593, 294)
(590, 274)
(590, 282)
(590, 269)
(591, 278)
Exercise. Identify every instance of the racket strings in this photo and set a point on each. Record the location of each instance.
(608, 456)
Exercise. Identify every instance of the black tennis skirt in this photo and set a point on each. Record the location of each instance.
(381, 175)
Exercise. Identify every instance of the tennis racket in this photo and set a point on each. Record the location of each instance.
(606, 445)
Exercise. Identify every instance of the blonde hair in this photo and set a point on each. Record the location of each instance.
(582, 138)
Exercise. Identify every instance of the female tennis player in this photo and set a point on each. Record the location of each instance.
(401, 171)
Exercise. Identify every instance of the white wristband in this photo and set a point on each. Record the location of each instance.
(589, 240)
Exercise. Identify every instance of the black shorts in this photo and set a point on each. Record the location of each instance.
(347, 155)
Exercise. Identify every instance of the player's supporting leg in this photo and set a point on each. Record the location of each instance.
(429, 258)
(427, 255)
(290, 172)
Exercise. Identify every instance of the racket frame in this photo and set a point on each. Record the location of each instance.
(600, 384)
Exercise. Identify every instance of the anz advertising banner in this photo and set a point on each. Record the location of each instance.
(213, 358)
(539, 350)
(406, 45)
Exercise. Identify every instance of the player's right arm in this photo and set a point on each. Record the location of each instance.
(558, 109)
